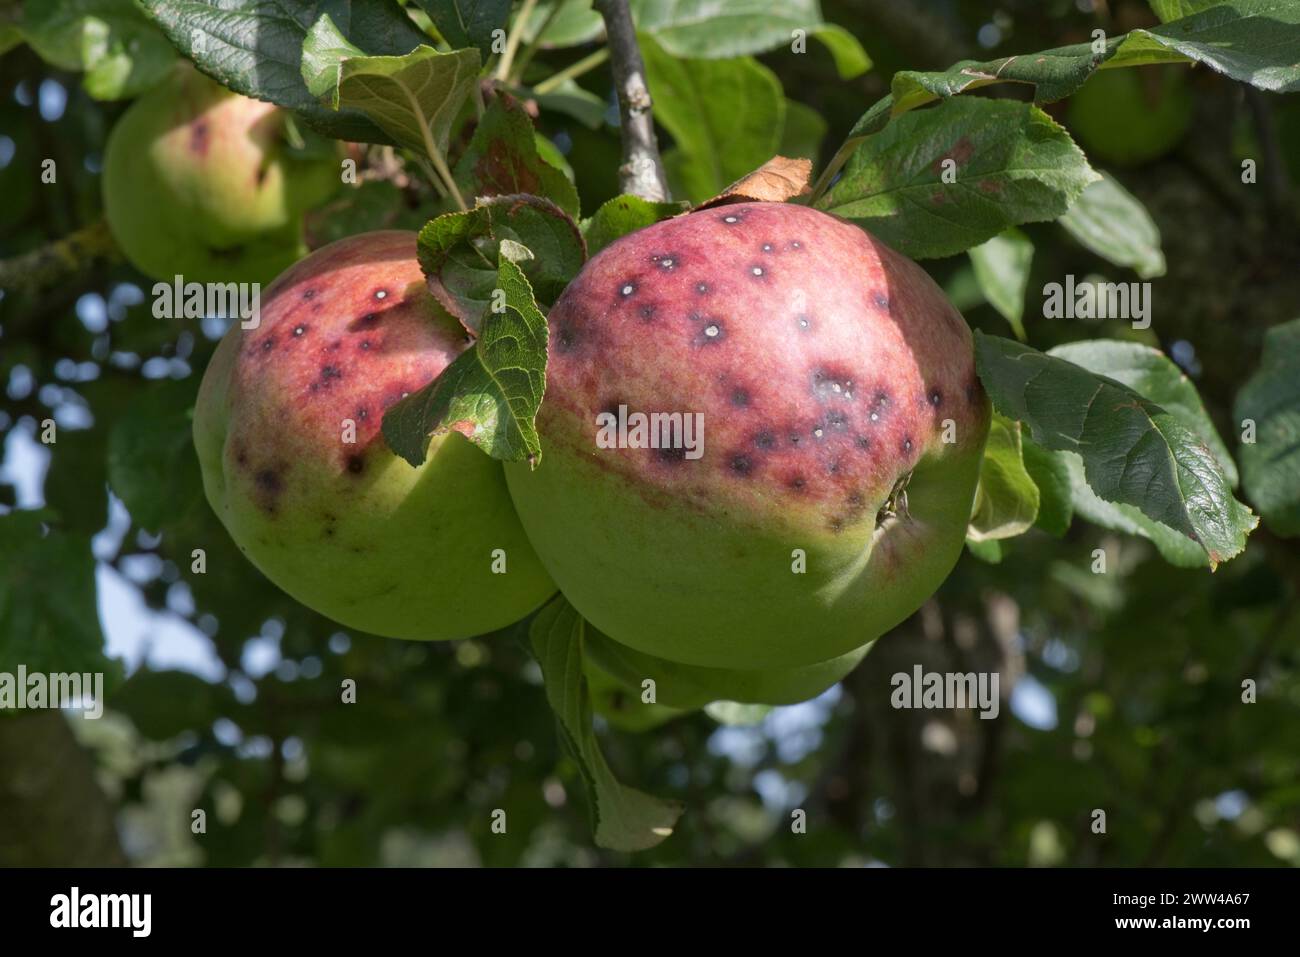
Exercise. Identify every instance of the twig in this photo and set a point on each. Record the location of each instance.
(575, 69)
(642, 172)
(512, 41)
(530, 49)
(52, 263)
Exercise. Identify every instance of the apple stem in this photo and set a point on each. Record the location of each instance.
(642, 171)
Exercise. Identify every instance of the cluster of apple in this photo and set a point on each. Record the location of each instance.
(842, 424)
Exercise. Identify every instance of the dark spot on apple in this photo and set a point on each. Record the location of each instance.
(666, 262)
(199, 137)
(804, 321)
(712, 333)
(741, 464)
(268, 343)
(862, 442)
(739, 398)
(765, 440)
(309, 294)
(626, 288)
(365, 343)
(647, 312)
(381, 294)
(757, 271)
(363, 413)
(730, 219)
(356, 464)
(566, 336)
(671, 455)
(300, 329)
(881, 300)
(701, 287)
(907, 446)
(796, 483)
(936, 398)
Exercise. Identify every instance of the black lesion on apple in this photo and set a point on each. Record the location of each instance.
(702, 288)
(666, 261)
(329, 374)
(355, 463)
(671, 456)
(935, 398)
(366, 322)
(741, 464)
(881, 300)
(300, 330)
(647, 312)
(879, 405)
(269, 485)
(740, 398)
(309, 294)
(566, 336)
(711, 332)
(796, 483)
(765, 440)
(830, 382)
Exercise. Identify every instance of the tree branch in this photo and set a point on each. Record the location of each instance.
(53, 263)
(642, 172)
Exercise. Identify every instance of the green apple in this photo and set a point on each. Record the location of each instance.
(1129, 116)
(199, 182)
(287, 429)
(691, 686)
(833, 387)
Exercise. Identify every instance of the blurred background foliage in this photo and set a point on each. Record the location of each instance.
(1122, 691)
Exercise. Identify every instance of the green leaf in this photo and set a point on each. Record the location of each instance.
(151, 462)
(1168, 10)
(1133, 451)
(572, 100)
(1110, 221)
(111, 41)
(1002, 271)
(1052, 476)
(1013, 164)
(490, 393)
(575, 24)
(459, 252)
(412, 98)
(725, 116)
(48, 616)
(468, 23)
(713, 29)
(1153, 375)
(1249, 40)
(623, 819)
(255, 47)
(622, 215)
(990, 551)
(1006, 500)
(1175, 548)
(502, 159)
(1271, 399)
(850, 59)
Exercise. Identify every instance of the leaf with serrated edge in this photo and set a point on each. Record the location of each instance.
(491, 392)
(254, 47)
(622, 215)
(1152, 374)
(623, 818)
(1013, 164)
(1133, 451)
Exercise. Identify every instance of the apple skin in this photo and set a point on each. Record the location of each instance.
(687, 687)
(198, 182)
(348, 528)
(825, 366)
(1127, 117)
(621, 706)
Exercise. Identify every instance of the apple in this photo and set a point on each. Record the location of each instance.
(1127, 116)
(198, 182)
(843, 426)
(287, 429)
(692, 686)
